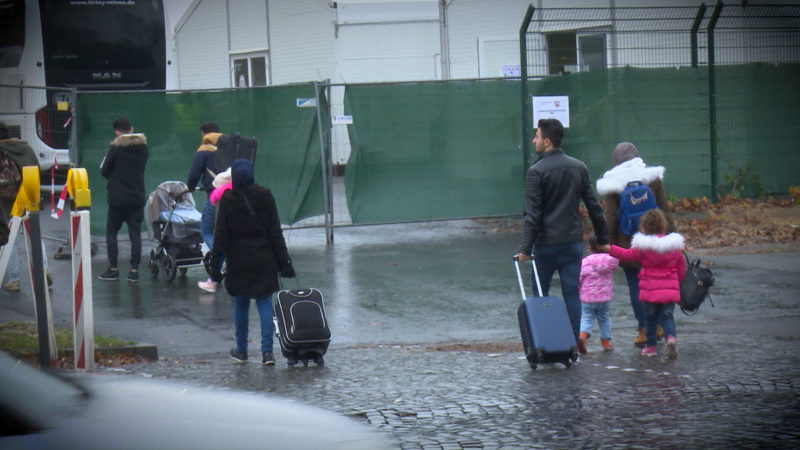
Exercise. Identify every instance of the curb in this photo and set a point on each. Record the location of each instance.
(146, 351)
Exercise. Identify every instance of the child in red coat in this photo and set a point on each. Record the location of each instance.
(663, 268)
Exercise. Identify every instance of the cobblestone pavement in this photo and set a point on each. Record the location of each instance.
(399, 298)
(724, 390)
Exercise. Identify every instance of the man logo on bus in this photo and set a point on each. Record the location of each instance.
(106, 75)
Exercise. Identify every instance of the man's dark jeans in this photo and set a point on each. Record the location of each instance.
(566, 259)
(132, 217)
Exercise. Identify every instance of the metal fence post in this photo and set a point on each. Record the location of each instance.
(324, 163)
(523, 62)
(712, 100)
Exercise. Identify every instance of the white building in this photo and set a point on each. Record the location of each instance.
(232, 43)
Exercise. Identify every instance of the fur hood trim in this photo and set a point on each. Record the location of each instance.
(659, 244)
(127, 140)
(615, 180)
(209, 142)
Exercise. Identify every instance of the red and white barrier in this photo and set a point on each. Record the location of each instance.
(83, 315)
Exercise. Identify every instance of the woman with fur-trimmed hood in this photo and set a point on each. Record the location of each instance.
(663, 267)
(629, 166)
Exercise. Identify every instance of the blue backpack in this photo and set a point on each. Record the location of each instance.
(636, 199)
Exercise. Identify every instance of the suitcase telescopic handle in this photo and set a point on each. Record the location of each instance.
(280, 280)
(535, 275)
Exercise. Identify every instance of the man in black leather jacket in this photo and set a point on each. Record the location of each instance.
(554, 186)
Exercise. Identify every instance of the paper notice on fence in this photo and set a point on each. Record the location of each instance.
(552, 107)
(342, 120)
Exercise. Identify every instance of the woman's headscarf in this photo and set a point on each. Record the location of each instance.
(625, 151)
(242, 174)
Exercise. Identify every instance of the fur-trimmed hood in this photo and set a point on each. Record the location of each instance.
(615, 180)
(209, 142)
(659, 244)
(127, 140)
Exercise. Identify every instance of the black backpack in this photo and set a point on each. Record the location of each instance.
(695, 286)
(10, 177)
(232, 147)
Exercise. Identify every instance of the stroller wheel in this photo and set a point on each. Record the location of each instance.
(153, 264)
(170, 267)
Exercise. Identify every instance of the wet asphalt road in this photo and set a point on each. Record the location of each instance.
(394, 291)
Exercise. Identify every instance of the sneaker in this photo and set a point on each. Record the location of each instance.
(607, 345)
(659, 333)
(641, 339)
(240, 357)
(672, 347)
(209, 285)
(133, 276)
(12, 286)
(110, 274)
(267, 359)
(649, 350)
(582, 342)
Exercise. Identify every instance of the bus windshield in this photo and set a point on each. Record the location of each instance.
(108, 44)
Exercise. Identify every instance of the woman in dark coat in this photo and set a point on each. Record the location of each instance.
(248, 232)
(629, 166)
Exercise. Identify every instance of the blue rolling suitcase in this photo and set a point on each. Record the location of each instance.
(547, 335)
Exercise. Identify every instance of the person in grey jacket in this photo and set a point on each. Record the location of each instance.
(123, 167)
(554, 187)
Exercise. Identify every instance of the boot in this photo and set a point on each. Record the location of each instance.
(659, 333)
(582, 342)
(641, 339)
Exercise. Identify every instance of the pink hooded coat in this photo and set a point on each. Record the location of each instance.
(663, 265)
(596, 280)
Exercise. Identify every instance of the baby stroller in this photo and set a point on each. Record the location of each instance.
(174, 222)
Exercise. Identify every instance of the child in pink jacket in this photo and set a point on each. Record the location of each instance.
(221, 183)
(596, 285)
(663, 268)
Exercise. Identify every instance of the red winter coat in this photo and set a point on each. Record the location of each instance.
(663, 265)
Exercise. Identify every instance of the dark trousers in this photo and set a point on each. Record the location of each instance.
(566, 259)
(132, 217)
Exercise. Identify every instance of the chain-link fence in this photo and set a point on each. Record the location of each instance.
(701, 90)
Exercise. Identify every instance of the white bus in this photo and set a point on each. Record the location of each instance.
(74, 45)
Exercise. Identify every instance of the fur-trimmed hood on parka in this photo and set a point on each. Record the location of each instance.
(659, 244)
(615, 180)
(127, 140)
(209, 143)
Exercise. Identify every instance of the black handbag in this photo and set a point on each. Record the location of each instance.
(695, 286)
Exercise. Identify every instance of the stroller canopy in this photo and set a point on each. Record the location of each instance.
(171, 195)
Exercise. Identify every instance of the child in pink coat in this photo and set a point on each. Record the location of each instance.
(221, 183)
(596, 285)
(663, 268)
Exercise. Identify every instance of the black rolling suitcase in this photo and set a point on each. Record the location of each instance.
(547, 335)
(301, 325)
(231, 147)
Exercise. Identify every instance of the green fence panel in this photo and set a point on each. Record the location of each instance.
(288, 157)
(664, 112)
(758, 112)
(435, 150)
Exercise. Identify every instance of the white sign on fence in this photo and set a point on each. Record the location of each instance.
(551, 107)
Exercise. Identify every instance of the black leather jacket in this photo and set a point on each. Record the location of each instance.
(554, 186)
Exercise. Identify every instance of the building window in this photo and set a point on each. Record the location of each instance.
(562, 53)
(249, 70)
(568, 52)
